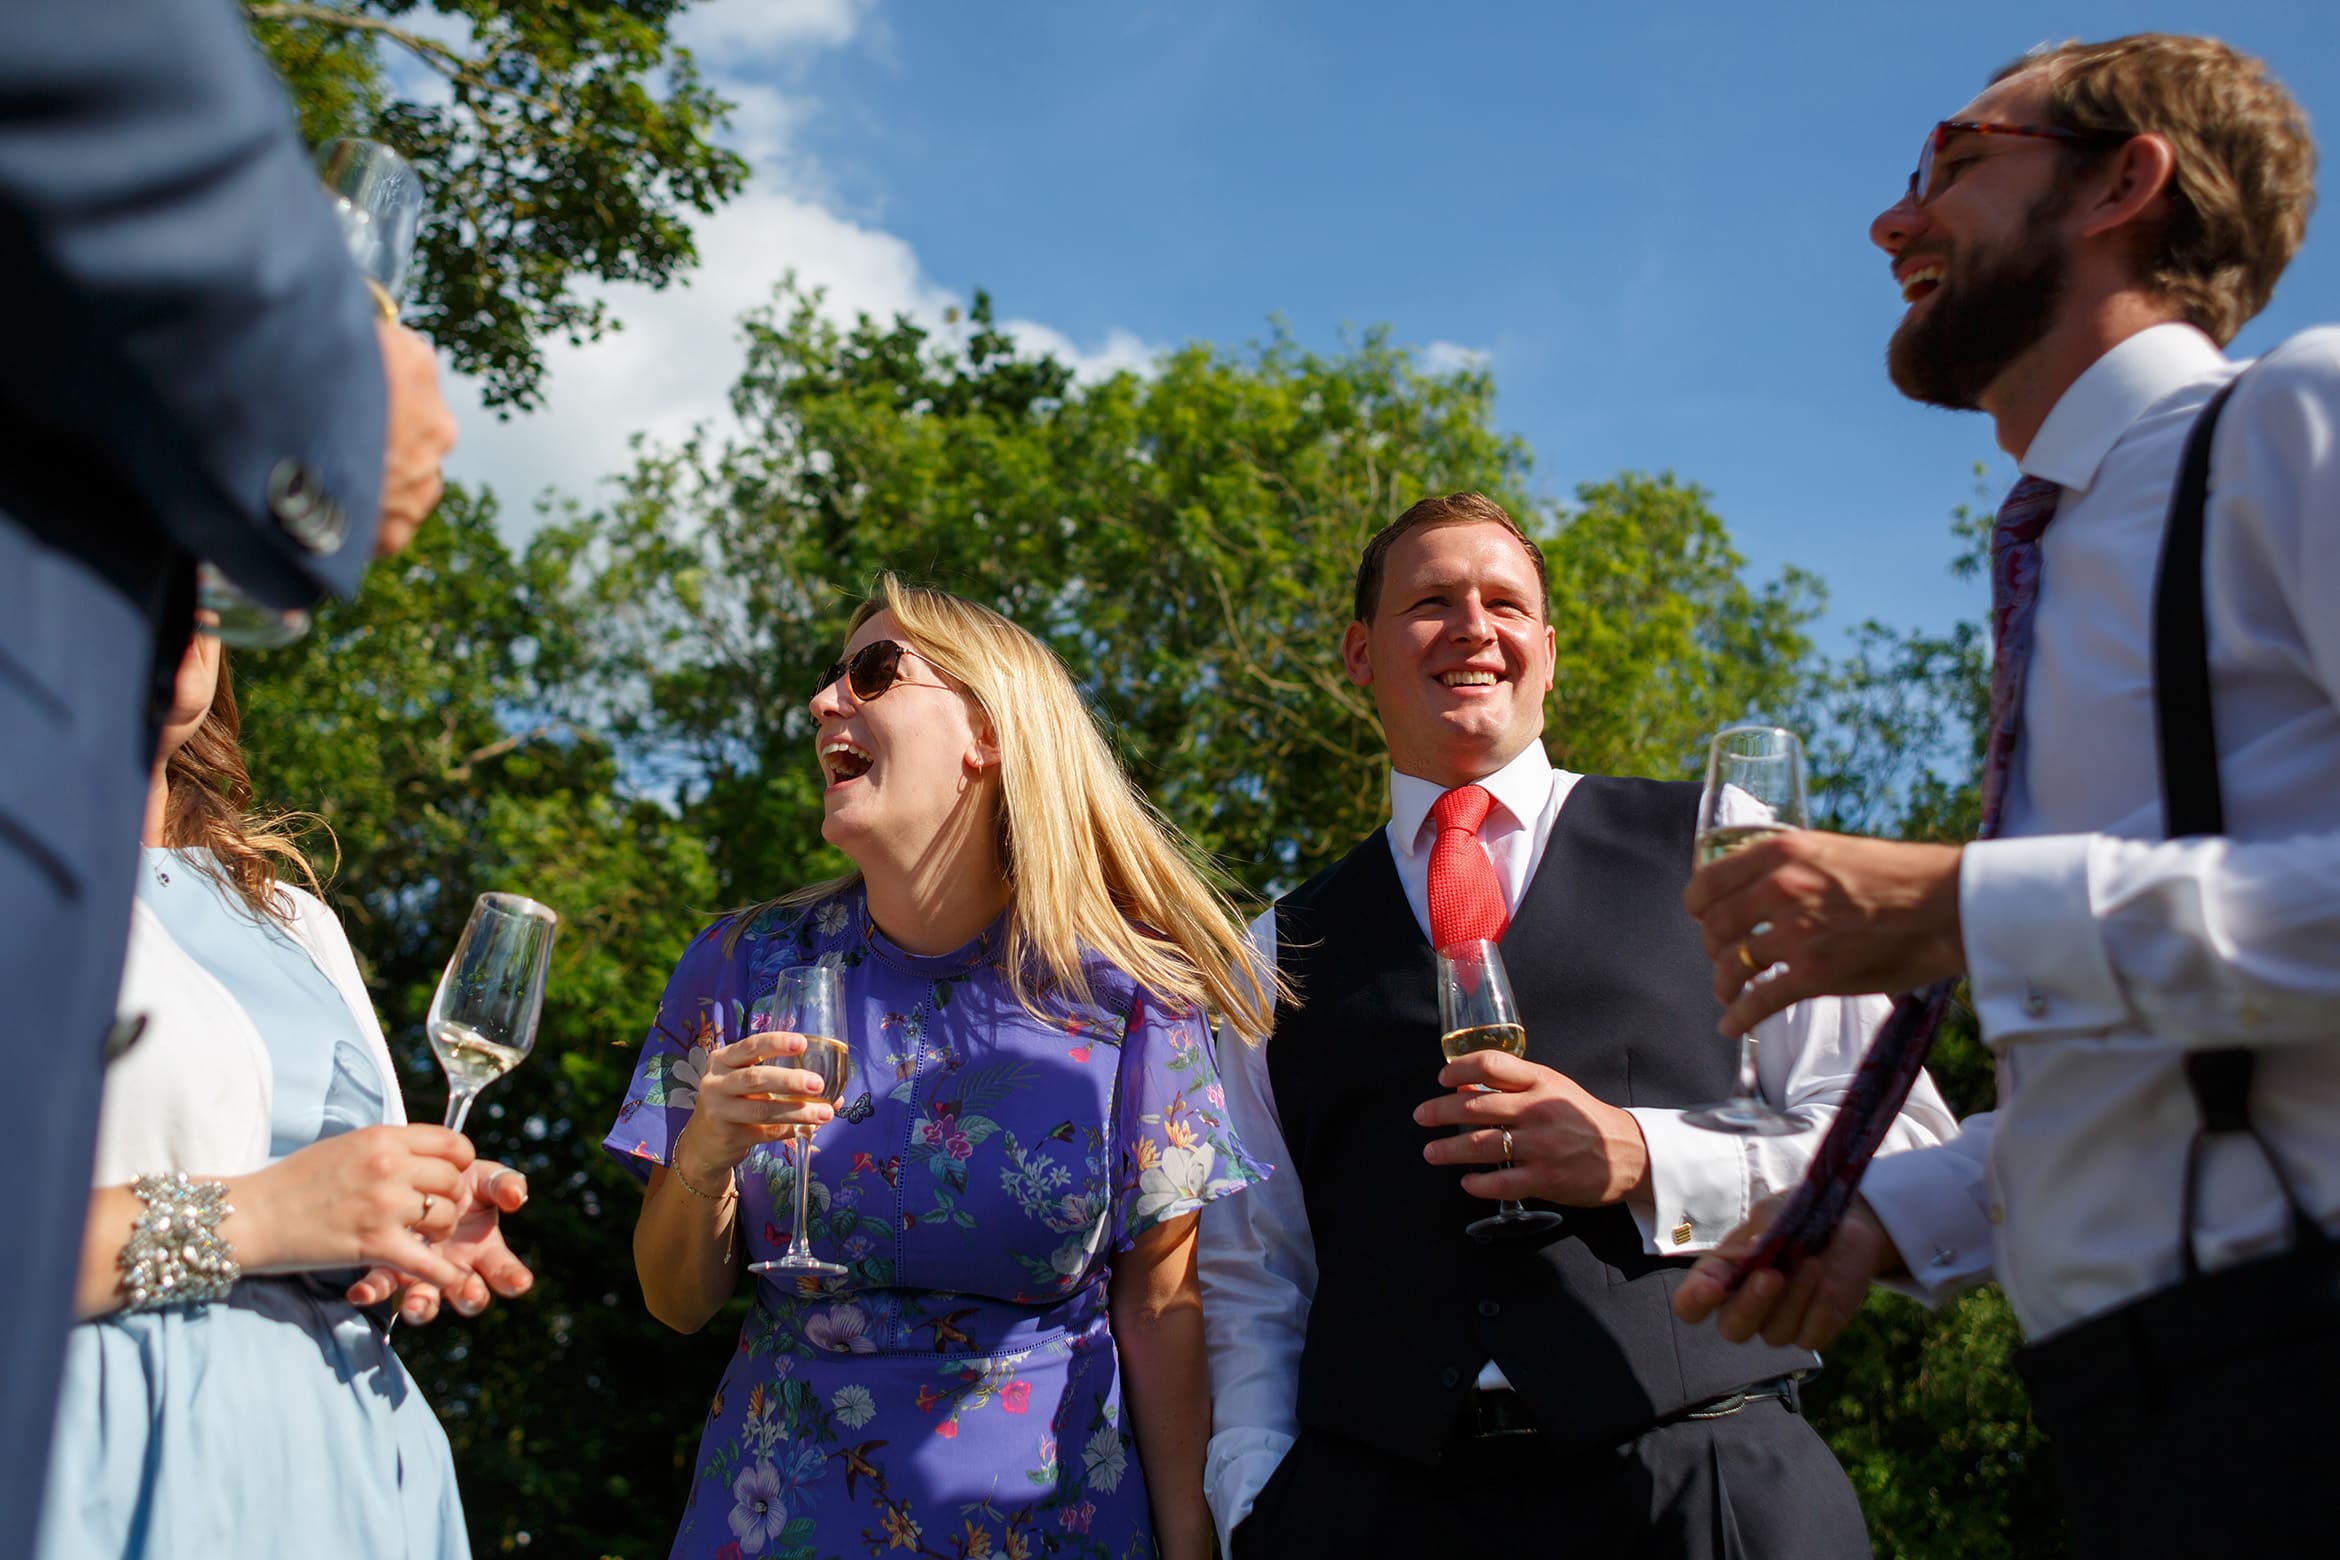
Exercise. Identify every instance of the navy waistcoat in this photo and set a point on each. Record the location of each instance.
(1615, 991)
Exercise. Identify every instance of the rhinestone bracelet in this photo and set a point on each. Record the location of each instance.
(174, 1255)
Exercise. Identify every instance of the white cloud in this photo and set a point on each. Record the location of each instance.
(1121, 351)
(671, 365)
(1452, 357)
(721, 31)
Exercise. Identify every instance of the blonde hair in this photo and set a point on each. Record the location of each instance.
(208, 807)
(2244, 179)
(1091, 866)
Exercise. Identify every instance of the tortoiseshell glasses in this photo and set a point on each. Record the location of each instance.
(1921, 180)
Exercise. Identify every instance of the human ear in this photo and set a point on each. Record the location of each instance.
(1357, 655)
(983, 748)
(2132, 186)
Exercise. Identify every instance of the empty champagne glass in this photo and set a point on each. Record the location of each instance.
(1476, 1013)
(483, 1017)
(808, 1001)
(1754, 789)
(378, 202)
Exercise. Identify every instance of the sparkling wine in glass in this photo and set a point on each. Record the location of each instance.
(1476, 1013)
(378, 202)
(1754, 789)
(483, 1017)
(808, 1001)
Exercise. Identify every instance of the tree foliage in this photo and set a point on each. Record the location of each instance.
(1185, 540)
(404, 723)
(562, 142)
(613, 722)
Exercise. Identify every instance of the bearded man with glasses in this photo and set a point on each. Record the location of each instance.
(2150, 924)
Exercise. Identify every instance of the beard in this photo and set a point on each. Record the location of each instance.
(1985, 314)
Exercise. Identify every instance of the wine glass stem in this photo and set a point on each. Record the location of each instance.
(1747, 1065)
(799, 1246)
(458, 1107)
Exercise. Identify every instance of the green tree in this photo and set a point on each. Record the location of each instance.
(563, 142)
(1186, 540)
(408, 724)
(614, 723)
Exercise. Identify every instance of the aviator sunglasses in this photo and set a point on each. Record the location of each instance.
(872, 669)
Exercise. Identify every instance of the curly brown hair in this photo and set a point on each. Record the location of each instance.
(2245, 175)
(209, 808)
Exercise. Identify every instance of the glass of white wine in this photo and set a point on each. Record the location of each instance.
(483, 1016)
(1476, 1013)
(809, 1001)
(1754, 790)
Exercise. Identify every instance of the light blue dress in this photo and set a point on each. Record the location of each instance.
(276, 1423)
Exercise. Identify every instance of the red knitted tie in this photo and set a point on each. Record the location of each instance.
(1466, 901)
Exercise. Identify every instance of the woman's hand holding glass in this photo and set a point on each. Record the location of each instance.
(750, 1096)
(377, 1197)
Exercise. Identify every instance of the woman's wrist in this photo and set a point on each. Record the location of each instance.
(254, 1224)
(697, 1184)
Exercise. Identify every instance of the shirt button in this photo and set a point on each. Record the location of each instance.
(1450, 1377)
(1944, 1256)
(2035, 1003)
(1489, 1308)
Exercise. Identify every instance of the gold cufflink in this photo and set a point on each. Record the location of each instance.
(1682, 1233)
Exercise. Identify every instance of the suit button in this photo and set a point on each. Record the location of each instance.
(1450, 1377)
(300, 505)
(2035, 1004)
(1489, 1308)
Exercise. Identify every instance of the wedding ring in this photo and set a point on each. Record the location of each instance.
(428, 1199)
(1506, 1147)
(1748, 960)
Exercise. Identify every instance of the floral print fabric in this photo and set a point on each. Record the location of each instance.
(957, 1392)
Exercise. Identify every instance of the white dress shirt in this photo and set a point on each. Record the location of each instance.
(2099, 953)
(1259, 1261)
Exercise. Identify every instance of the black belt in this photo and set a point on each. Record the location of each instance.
(1493, 1413)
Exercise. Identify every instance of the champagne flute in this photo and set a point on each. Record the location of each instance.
(378, 202)
(809, 1001)
(1476, 1013)
(483, 1016)
(1754, 789)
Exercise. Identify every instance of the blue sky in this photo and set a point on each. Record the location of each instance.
(1652, 220)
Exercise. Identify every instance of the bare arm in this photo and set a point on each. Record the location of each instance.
(349, 1201)
(1156, 1301)
(686, 1246)
(687, 1240)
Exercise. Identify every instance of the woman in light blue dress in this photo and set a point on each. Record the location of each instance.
(240, 1402)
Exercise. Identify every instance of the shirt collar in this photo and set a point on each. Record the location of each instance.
(1520, 788)
(2090, 417)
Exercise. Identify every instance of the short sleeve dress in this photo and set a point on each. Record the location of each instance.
(957, 1392)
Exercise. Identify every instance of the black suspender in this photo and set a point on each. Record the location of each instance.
(2191, 801)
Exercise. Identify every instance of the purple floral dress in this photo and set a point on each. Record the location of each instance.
(957, 1393)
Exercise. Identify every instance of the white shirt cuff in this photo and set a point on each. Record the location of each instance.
(1235, 1469)
(1699, 1188)
(2033, 956)
(1935, 1204)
